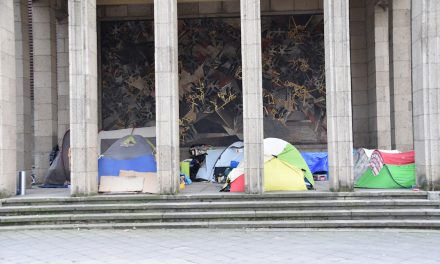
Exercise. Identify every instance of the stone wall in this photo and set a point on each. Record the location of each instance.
(359, 73)
(45, 85)
(378, 76)
(62, 76)
(24, 106)
(400, 75)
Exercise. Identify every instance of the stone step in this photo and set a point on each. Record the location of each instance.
(425, 214)
(141, 198)
(398, 223)
(226, 206)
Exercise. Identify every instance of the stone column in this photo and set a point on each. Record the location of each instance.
(400, 75)
(45, 89)
(83, 97)
(167, 95)
(338, 85)
(23, 99)
(252, 95)
(378, 76)
(8, 166)
(426, 91)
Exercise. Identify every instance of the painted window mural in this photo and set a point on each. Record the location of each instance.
(210, 78)
(294, 78)
(127, 74)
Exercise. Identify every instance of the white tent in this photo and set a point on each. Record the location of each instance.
(233, 152)
(220, 157)
(206, 171)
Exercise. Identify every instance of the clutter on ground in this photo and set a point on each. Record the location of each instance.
(128, 164)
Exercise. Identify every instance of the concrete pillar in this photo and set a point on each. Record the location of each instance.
(45, 89)
(8, 165)
(426, 91)
(167, 95)
(252, 95)
(83, 97)
(23, 98)
(378, 76)
(400, 75)
(63, 76)
(338, 85)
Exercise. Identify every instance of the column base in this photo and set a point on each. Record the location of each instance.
(342, 189)
(83, 194)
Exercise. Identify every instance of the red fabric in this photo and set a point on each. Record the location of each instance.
(397, 158)
(379, 158)
(238, 184)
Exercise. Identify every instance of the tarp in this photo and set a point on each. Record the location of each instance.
(389, 177)
(58, 173)
(317, 161)
(128, 153)
(379, 158)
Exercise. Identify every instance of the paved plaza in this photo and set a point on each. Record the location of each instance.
(220, 246)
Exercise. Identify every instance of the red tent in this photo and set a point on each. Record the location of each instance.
(238, 184)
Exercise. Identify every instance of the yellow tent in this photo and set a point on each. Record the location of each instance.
(281, 176)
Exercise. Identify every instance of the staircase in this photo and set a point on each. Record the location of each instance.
(272, 210)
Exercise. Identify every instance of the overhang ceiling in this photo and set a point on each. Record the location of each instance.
(125, 2)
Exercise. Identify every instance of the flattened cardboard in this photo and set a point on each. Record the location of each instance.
(151, 184)
(121, 184)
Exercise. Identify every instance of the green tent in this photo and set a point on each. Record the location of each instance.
(389, 177)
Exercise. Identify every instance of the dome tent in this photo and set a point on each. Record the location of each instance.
(131, 152)
(284, 169)
(286, 152)
(389, 171)
(389, 177)
(361, 160)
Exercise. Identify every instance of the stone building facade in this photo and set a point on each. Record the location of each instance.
(381, 71)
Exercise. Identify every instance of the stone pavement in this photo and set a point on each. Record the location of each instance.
(220, 246)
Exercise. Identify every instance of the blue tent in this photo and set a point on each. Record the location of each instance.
(128, 153)
(317, 161)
